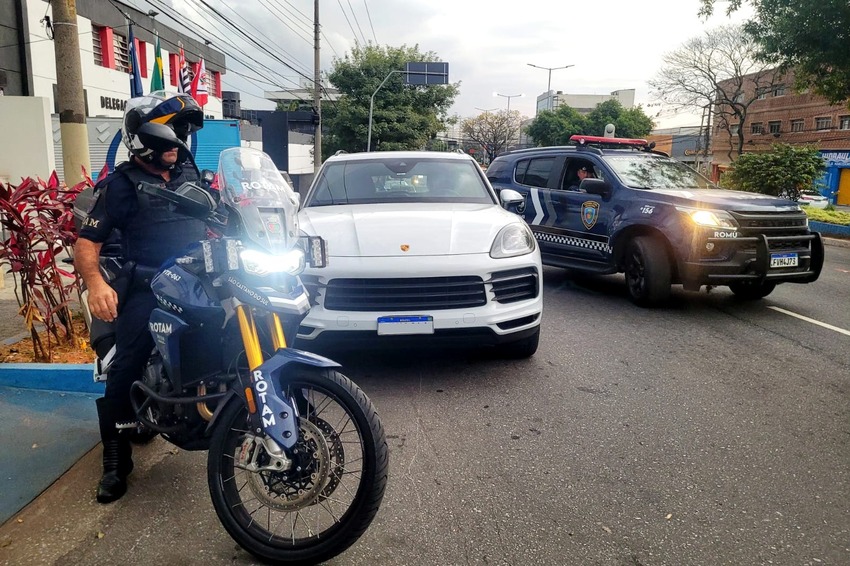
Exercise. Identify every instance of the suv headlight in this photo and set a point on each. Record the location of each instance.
(512, 240)
(709, 218)
(259, 263)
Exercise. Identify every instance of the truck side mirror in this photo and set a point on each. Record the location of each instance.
(599, 187)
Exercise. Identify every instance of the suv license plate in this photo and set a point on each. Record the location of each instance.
(391, 325)
(783, 260)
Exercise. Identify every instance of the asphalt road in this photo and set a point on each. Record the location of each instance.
(707, 432)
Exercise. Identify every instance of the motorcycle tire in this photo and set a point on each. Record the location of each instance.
(332, 492)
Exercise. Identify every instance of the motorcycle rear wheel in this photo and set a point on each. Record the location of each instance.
(310, 515)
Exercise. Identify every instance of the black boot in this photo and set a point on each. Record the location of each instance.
(117, 452)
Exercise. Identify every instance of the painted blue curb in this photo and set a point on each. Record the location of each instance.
(77, 378)
(827, 228)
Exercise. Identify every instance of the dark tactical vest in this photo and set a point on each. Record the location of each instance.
(157, 232)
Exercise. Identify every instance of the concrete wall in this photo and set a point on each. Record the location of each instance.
(27, 148)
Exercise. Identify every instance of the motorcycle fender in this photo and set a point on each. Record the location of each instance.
(275, 413)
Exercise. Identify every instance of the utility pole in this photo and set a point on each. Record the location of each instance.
(69, 91)
(317, 89)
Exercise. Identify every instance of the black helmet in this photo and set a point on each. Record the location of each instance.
(179, 111)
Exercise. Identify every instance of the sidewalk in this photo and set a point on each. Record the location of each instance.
(46, 428)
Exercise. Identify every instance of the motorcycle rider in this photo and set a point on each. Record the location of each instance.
(150, 233)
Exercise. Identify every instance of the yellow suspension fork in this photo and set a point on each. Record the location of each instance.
(251, 342)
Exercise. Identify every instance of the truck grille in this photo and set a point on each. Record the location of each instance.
(423, 293)
(515, 285)
(772, 225)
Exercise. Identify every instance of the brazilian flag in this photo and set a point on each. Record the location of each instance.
(157, 79)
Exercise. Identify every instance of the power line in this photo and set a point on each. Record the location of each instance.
(368, 15)
(354, 33)
(353, 15)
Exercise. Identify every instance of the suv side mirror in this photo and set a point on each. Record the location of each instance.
(510, 199)
(599, 187)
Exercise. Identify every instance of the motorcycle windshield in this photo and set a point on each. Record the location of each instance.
(253, 188)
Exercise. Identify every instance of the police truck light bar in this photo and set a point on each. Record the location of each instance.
(582, 140)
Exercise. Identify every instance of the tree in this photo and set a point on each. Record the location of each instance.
(555, 127)
(719, 71)
(494, 132)
(403, 117)
(631, 123)
(808, 36)
(784, 170)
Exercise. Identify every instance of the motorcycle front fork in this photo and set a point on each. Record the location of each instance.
(254, 352)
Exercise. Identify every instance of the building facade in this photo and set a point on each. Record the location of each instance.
(583, 103)
(782, 115)
(28, 60)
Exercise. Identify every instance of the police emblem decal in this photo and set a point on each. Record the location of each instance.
(589, 213)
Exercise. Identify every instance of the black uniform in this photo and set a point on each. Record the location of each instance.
(150, 233)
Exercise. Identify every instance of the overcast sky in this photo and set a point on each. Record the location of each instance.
(613, 44)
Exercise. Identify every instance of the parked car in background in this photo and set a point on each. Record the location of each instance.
(609, 205)
(419, 247)
(813, 199)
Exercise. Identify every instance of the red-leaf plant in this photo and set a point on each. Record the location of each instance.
(39, 222)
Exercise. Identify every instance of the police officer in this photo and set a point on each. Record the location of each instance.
(150, 232)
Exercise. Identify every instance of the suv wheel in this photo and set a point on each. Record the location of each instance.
(521, 349)
(752, 290)
(647, 271)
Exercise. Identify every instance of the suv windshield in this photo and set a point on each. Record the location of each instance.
(397, 179)
(656, 172)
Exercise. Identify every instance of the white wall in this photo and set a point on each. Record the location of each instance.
(27, 148)
(97, 81)
(300, 159)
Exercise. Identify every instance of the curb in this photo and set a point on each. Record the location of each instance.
(74, 378)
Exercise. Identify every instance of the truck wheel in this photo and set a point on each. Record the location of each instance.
(647, 271)
(752, 290)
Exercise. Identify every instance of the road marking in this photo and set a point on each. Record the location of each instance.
(813, 321)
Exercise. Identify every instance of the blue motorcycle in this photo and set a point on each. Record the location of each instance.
(297, 456)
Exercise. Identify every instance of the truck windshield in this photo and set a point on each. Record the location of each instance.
(656, 172)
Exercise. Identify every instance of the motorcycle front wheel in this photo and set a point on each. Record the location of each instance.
(331, 493)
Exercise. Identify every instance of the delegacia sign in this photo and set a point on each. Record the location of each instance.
(110, 103)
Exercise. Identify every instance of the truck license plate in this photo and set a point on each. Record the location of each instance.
(783, 260)
(392, 325)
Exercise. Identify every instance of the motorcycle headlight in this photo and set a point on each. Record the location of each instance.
(709, 218)
(256, 262)
(512, 240)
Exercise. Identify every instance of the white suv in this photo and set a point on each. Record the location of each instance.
(419, 247)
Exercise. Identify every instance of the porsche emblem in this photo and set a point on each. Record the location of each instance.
(405, 248)
(589, 213)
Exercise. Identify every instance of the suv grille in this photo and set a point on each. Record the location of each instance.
(424, 293)
(773, 224)
(515, 285)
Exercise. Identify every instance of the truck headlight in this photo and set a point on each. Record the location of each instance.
(259, 263)
(709, 218)
(512, 240)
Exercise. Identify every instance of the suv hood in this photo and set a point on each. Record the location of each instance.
(380, 230)
(727, 200)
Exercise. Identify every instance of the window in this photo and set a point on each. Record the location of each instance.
(534, 172)
(844, 122)
(757, 128)
(779, 90)
(733, 130)
(96, 32)
(823, 123)
(774, 127)
(122, 55)
(797, 125)
(143, 57)
(761, 94)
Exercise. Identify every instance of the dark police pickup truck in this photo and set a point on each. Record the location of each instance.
(655, 219)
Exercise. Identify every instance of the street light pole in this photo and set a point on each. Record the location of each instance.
(372, 105)
(509, 96)
(549, 84)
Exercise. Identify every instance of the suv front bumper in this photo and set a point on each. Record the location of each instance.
(749, 260)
